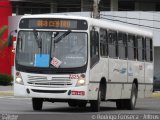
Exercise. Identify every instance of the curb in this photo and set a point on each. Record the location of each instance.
(155, 94)
(6, 93)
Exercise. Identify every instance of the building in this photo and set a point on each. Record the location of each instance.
(21, 7)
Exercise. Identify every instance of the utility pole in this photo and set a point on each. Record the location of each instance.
(96, 12)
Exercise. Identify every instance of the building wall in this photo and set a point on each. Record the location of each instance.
(5, 56)
(21, 7)
(142, 6)
(146, 20)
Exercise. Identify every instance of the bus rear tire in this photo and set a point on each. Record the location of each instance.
(95, 104)
(37, 104)
(131, 103)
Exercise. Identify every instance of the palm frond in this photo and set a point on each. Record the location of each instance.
(2, 30)
(3, 43)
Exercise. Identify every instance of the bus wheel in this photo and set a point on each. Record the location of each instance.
(37, 103)
(82, 104)
(72, 103)
(95, 104)
(131, 103)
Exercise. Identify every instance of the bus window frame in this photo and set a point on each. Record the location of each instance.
(94, 40)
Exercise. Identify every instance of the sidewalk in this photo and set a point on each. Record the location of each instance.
(6, 90)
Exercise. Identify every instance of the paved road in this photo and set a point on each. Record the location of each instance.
(6, 88)
(22, 109)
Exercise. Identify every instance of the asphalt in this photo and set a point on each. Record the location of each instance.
(11, 108)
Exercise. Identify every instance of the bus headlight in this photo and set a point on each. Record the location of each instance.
(19, 79)
(81, 81)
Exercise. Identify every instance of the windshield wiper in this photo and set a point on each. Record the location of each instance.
(62, 36)
(38, 40)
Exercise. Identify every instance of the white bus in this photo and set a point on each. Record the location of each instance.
(80, 60)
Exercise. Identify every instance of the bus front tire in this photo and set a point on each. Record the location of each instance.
(82, 103)
(95, 104)
(37, 104)
(72, 103)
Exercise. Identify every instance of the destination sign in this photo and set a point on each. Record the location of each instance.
(44, 23)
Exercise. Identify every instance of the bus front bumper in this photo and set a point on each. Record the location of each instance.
(79, 93)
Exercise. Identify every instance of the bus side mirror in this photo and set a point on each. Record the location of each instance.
(92, 35)
(10, 38)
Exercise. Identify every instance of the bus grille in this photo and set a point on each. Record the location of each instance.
(42, 81)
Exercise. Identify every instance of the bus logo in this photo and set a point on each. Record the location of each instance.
(122, 71)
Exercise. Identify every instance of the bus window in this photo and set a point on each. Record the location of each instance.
(103, 43)
(140, 48)
(122, 45)
(143, 49)
(131, 47)
(94, 52)
(112, 41)
(151, 50)
(148, 49)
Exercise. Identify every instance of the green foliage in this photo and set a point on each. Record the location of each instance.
(3, 43)
(2, 30)
(5, 79)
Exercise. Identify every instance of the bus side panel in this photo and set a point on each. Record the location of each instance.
(117, 77)
(148, 79)
(98, 71)
(126, 87)
(136, 72)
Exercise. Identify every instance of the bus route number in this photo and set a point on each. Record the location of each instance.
(73, 76)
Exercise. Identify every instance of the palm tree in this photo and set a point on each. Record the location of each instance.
(3, 43)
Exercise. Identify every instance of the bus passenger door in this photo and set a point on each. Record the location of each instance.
(98, 61)
(95, 73)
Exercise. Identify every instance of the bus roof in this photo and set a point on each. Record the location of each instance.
(106, 24)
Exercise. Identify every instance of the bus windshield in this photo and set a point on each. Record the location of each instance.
(51, 49)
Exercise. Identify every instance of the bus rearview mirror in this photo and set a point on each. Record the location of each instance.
(10, 38)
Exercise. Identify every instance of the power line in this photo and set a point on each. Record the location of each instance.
(126, 10)
(131, 18)
(131, 23)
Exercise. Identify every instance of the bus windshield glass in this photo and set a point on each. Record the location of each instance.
(56, 49)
